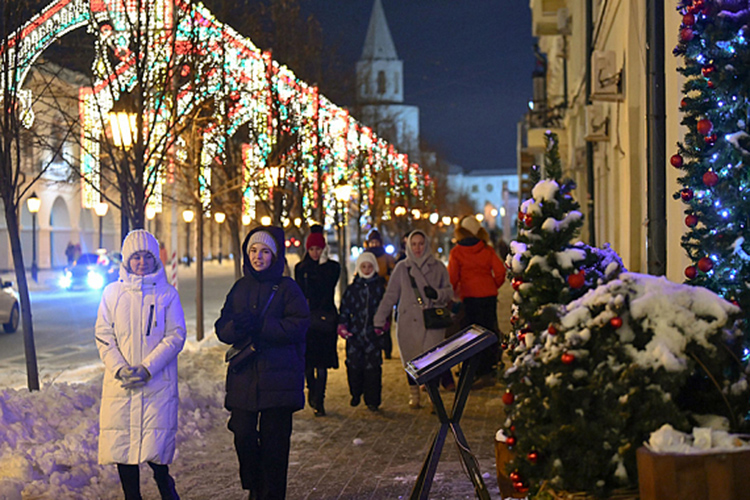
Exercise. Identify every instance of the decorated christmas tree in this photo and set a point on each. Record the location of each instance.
(714, 45)
(548, 270)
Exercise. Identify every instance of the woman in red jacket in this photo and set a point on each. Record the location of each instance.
(476, 273)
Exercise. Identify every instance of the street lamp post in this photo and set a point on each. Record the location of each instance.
(123, 128)
(34, 204)
(187, 216)
(220, 217)
(343, 192)
(100, 209)
(150, 214)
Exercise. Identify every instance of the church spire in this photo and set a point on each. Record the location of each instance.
(378, 43)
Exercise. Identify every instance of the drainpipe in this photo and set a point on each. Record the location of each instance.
(655, 103)
(589, 144)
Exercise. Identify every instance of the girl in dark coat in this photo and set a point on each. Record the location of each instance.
(263, 394)
(317, 277)
(363, 344)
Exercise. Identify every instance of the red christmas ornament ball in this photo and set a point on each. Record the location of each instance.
(533, 457)
(576, 280)
(688, 19)
(710, 84)
(567, 358)
(705, 264)
(708, 70)
(514, 319)
(511, 441)
(686, 34)
(516, 283)
(616, 322)
(528, 220)
(704, 126)
(552, 330)
(508, 398)
(710, 178)
(514, 476)
(711, 139)
(691, 272)
(686, 194)
(683, 103)
(503, 345)
(676, 161)
(518, 486)
(691, 220)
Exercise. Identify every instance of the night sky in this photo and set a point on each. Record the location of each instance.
(467, 65)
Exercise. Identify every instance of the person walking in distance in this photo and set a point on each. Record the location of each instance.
(419, 281)
(265, 318)
(476, 274)
(386, 264)
(317, 276)
(140, 330)
(363, 344)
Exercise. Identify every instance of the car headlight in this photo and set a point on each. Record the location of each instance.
(95, 280)
(66, 280)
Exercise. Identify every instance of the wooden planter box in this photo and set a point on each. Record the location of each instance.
(710, 476)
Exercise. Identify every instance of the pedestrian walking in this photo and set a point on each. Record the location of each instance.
(140, 330)
(70, 253)
(418, 283)
(386, 264)
(317, 276)
(265, 317)
(363, 344)
(476, 274)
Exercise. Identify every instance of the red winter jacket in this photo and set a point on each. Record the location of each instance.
(475, 270)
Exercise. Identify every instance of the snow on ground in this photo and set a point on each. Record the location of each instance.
(48, 439)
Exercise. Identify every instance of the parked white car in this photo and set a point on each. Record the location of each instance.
(10, 311)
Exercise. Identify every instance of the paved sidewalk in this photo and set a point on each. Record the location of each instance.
(353, 453)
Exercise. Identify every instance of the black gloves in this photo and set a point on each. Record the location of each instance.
(246, 321)
(430, 292)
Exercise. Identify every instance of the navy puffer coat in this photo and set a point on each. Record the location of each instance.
(275, 376)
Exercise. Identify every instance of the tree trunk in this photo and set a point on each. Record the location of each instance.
(199, 271)
(234, 236)
(32, 372)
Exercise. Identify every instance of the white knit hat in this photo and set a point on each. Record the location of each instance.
(471, 224)
(263, 238)
(138, 240)
(367, 257)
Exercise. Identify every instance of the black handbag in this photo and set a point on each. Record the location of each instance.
(239, 355)
(323, 321)
(434, 317)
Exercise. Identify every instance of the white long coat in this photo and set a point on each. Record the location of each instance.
(140, 322)
(413, 337)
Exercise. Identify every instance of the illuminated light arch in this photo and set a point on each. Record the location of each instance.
(331, 139)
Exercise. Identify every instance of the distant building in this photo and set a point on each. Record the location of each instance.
(495, 195)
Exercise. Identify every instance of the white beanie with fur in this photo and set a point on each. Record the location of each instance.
(367, 257)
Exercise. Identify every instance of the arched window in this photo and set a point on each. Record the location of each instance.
(381, 82)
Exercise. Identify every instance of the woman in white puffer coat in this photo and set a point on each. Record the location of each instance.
(140, 330)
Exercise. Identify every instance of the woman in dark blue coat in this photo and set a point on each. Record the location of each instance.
(263, 394)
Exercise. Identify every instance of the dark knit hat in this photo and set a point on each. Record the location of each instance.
(374, 234)
(316, 238)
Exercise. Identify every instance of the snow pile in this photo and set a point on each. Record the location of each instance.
(703, 440)
(49, 438)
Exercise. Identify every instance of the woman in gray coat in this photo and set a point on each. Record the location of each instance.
(434, 286)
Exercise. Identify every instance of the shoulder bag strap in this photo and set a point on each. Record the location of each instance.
(414, 286)
(265, 308)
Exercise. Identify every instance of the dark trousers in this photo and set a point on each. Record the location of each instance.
(387, 345)
(261, 440)
(130, 479)
(367, 382)
(483, 312)
(316, 386)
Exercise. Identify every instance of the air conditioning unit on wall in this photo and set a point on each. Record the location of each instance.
(597, 123)
(606, 78)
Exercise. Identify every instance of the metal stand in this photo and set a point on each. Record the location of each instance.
(424, 480)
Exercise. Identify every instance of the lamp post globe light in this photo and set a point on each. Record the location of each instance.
(220, 217)
(187, 216)
(100, 209)
(34, 204)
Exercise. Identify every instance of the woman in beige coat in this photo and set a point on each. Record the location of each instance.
(434, 286)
